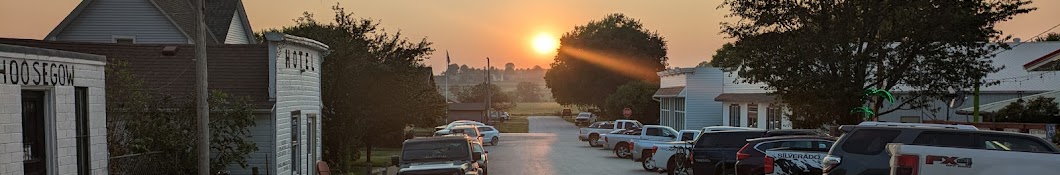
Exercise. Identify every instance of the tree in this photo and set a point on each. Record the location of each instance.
(1049, 37)
(635, 95)
(528, 91)
(373, 84)
(1038, 110)
(478, 93)
(596, 58)
(538, 67)
(819, 56)
(704, 64)
(452, 69)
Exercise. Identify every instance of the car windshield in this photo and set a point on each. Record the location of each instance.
(435, 151)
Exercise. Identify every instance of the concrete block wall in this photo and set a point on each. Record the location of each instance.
(10, 130)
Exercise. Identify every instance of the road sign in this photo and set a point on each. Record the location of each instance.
(627, 112)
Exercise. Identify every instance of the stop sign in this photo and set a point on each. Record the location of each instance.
(627, 112)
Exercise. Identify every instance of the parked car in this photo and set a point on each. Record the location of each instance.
(621, 144)
(783, 155)
(438, 155)
(642, 149)
(593, 133)
(445, 130)
(584, 118)
(505, 116)
(469, 130)
(664, 154)
(865, 145)
(484, 160)
(992, 152)
(490, 135)
(603, 140)
(715, 152)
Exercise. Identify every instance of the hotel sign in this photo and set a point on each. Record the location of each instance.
(31, 72)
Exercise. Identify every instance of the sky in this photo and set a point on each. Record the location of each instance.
(471, 30)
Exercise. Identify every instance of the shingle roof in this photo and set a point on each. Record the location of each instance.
(219, 16)
(669, 92)
(238, 69)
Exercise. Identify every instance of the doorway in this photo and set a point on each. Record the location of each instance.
(34, 144)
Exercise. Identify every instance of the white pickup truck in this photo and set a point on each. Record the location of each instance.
(641, 148)
(623, 144)
(990, 152)
(593, 132)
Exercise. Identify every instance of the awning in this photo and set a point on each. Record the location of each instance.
(670, 92)
(996, 106)
(745, 97)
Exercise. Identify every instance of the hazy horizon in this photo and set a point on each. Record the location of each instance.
(503, 31)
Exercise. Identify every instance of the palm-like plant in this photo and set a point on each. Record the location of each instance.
(869, 93)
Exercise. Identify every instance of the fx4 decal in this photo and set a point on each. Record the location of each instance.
(949, 161)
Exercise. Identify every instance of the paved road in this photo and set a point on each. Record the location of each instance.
(552, 147)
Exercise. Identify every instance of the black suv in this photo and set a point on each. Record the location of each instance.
(861, 150)
(752, 157)
(452, 154)
(715, 152)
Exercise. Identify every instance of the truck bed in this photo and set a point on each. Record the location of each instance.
(965, 161)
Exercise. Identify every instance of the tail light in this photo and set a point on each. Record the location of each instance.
(631, 145)
(654, 149)
(829, 163)
(740, 155)
(768, 162)
(907, 165)
(605, 139)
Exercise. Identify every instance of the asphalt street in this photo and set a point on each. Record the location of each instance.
(552, 147)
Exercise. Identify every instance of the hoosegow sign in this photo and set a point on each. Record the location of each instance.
(31, 72)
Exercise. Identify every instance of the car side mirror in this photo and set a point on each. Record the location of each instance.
(394, 160)
(476, 156)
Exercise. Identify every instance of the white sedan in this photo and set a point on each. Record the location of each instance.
(490, 134)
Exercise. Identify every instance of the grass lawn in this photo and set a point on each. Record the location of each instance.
(380, 157)
(517, 124)
(539, 108)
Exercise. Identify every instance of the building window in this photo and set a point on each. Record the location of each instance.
(773, 115)
(752, 115)
(734, 115)
(680, 117)
(82, 135)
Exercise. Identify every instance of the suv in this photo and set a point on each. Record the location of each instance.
(584, 118)
(865, 145)
(452, 154)
(715, 152)
(790, 154)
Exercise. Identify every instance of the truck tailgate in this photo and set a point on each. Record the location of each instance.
(947, 160)
(796, 161)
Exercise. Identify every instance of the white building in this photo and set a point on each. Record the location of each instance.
(52, 112)
(692, 98)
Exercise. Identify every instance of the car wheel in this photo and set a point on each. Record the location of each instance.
(494, 140)
(593, 139)
(622, 151)
(648, 164)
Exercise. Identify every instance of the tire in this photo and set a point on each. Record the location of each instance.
(648, 164)
(494, 140)
(622, 150)
(671, 167)
(593, 139)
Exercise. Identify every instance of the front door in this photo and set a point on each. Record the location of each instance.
(33, 136)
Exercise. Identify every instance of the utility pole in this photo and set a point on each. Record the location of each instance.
(203, 107)
(489, 90)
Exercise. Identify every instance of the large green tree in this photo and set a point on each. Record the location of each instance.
(819, 56)
(635, 95)
(595, 58)
(1037, 110)
(528, 91)
(374, 85)
(1049, 37)
(478, 93)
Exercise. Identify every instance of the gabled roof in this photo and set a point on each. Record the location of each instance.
(1049, 62)
(181, 14)
(237, 69)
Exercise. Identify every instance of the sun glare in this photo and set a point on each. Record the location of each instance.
(544, 43)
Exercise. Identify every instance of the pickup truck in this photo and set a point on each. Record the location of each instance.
(641, 150)
(622, 144)
(592, 134)
(983, 152)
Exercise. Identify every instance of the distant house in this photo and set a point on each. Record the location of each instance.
(692, 98)
(153, 22)
(281, 78)
(1014, 81)
(467, 111)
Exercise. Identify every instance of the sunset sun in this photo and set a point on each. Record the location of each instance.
(544, 43)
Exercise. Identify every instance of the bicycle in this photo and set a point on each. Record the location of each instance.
(681, 163)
